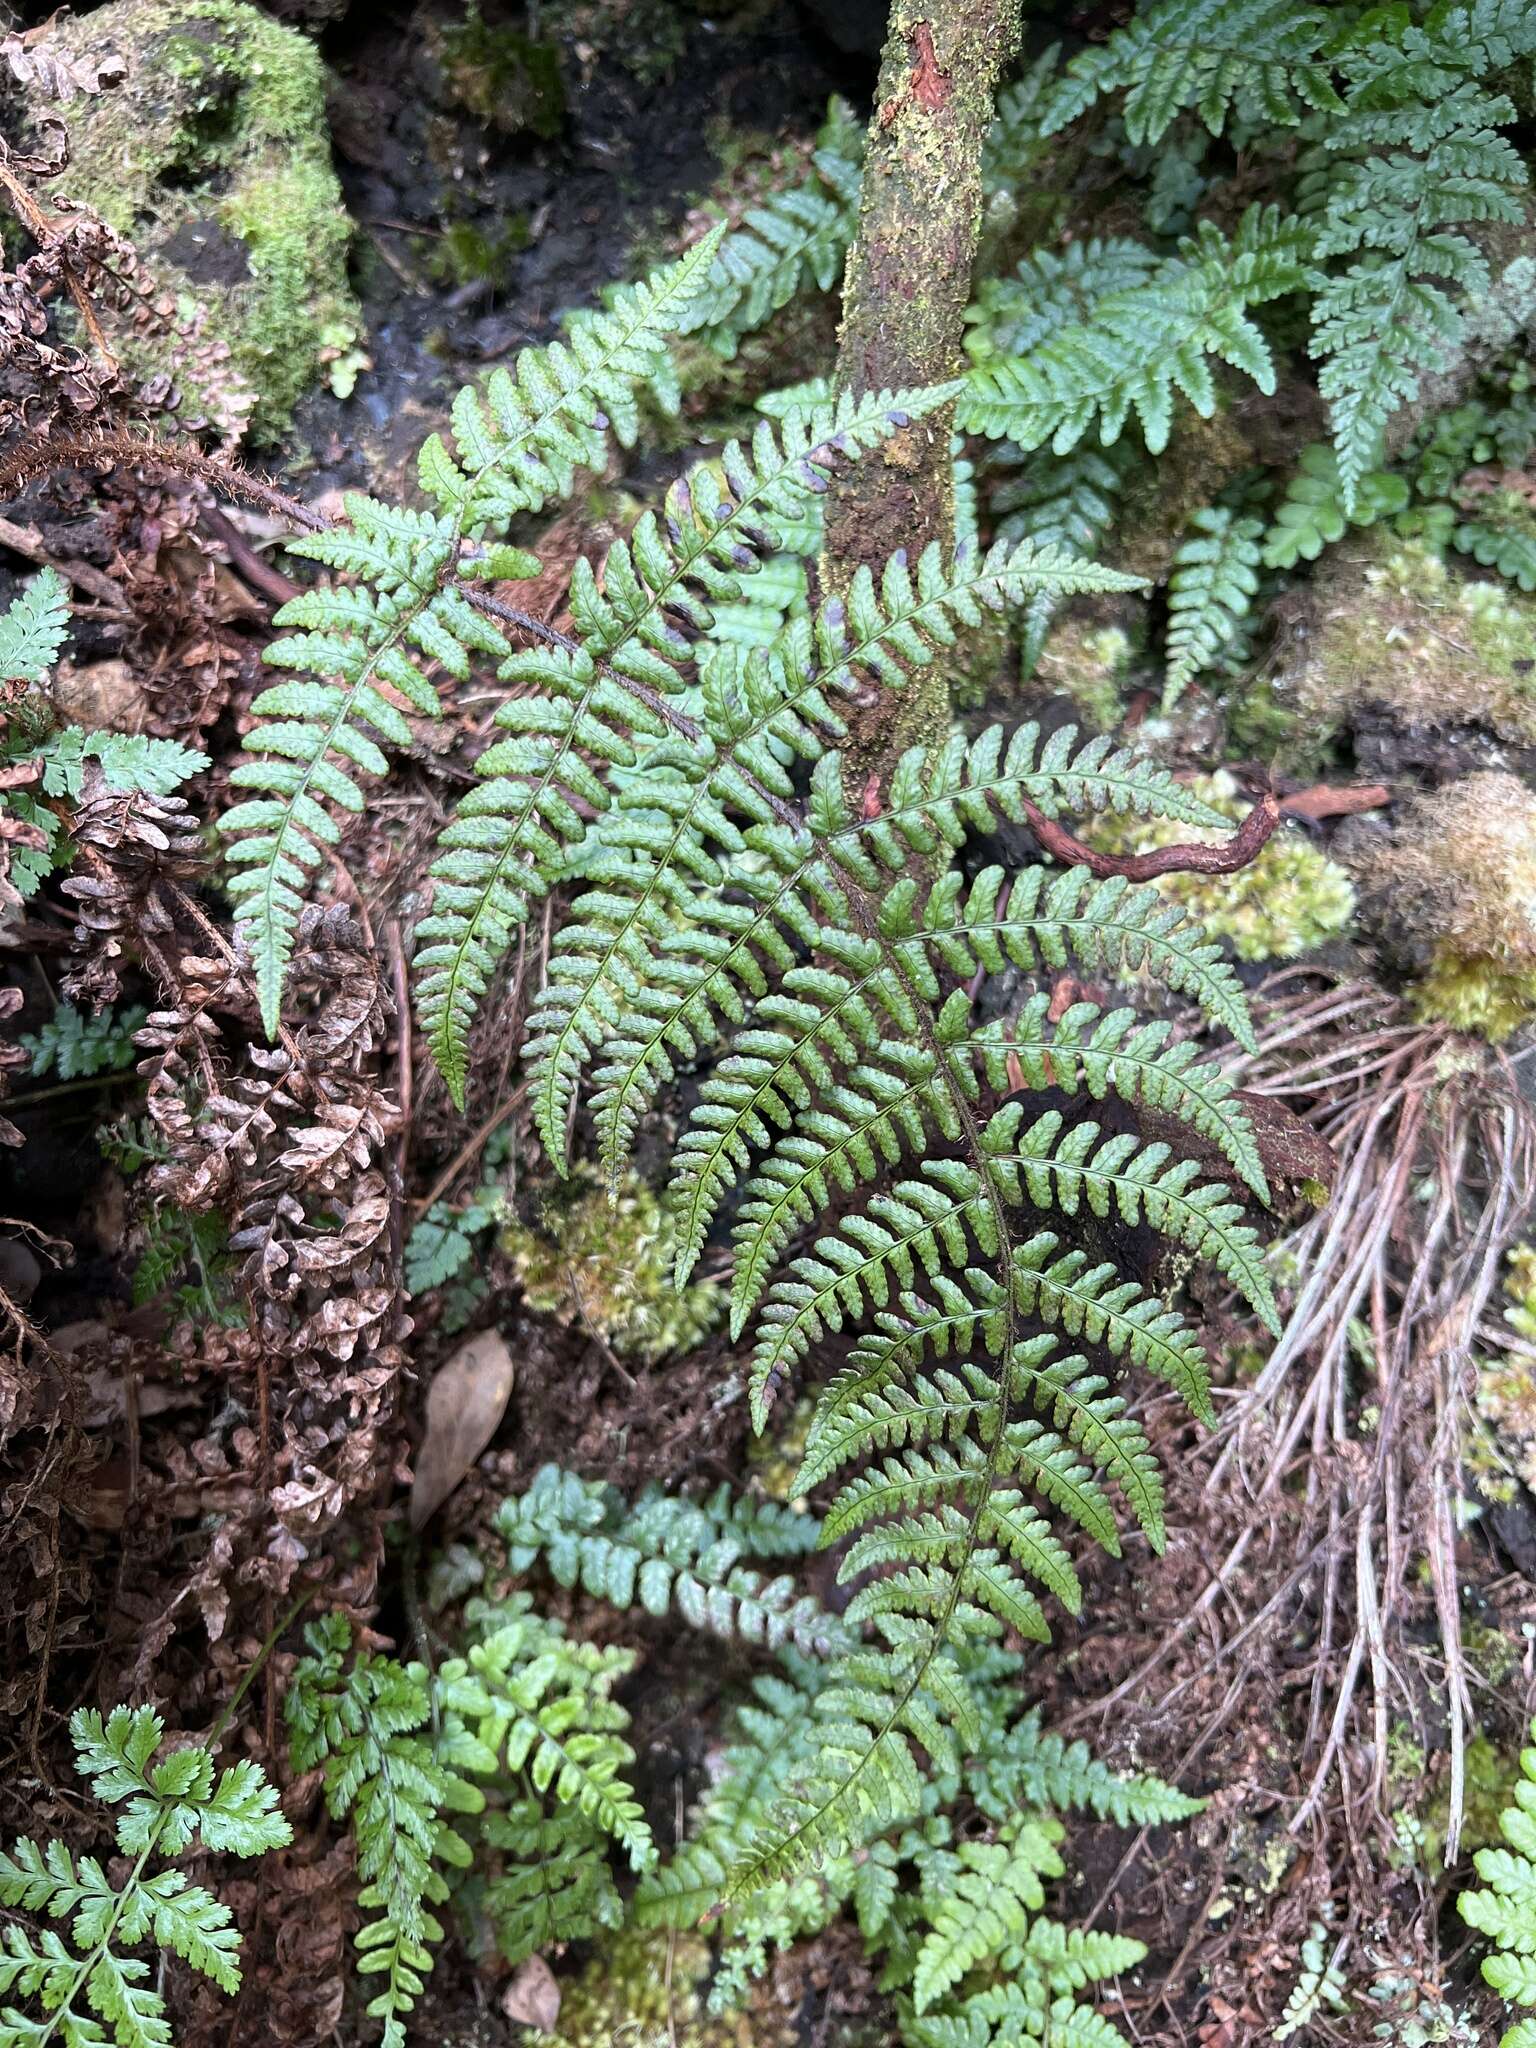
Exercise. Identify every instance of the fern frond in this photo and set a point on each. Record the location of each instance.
(1144, 342)
(554, 1884)
(33, 627)
(1418, 157)
(1104, 1051)
(1505, 1908)
(1026, 1765)
(510, 838)
(1056, 1165)
(673, 831)
(1210, 591)
(513, 450)
(996, 1889)
(168, 1801)
(794, 238)
(1260, 60)
(667, 1554)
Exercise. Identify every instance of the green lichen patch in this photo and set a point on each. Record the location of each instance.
(606, 1265)
(214, 155)
(1289, 901)
(1400, 629)
(1458, 885)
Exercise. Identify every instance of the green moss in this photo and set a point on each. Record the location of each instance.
(628, 1998)
(1459, 883)
(504, 78)
(1090, 662)
(606, 1265)
(1398, 628)
(467, 255)
(214, 155)
(1290, 900)
(1506, 1389)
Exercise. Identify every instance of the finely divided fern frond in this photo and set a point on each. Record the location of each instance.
(512, 450)
(1260, 59)
(511, 837)
(1211, 588)
(1143, 341)
(1418, 157)
(33, 628)
(169, 1801)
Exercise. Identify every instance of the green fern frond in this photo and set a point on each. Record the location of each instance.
(1210, 591)
(513, 450)
(33, 627)
(667, 1554)
(1505, 1908)
(796, 237)
(1144, 342)
(996, 1889)
(554, 1884)
(169, 1800)
(510, 838)
(673, 833)
(1418, 157)
(1026, 1765)
(1109, 1051)
(1262, 61)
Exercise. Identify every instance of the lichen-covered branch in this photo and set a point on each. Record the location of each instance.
(908, 282)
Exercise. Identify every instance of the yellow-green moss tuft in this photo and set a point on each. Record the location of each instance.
(626, 1998)
(1292, 899)
(1459, 879)
(607, 1266)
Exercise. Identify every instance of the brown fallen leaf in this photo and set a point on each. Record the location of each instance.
(467, 1399)
(532, 1998)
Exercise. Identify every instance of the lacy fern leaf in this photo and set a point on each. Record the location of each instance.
(1262, 60)
(1418, 157)
(1144, 341)
(169, 1801)
(33, 628)
(1504, 1908)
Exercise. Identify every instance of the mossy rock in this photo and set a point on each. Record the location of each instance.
(1454, 895)
(1397, 628)
(214, 155)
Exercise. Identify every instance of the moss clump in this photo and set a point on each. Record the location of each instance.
(1458, 884)
(1399, 629)
(624, 1999)
(467, 255)
(214, 155)
(1506, 1388)
(1290, 900)
(504, 78)
(1089, 661)
(607, 1266)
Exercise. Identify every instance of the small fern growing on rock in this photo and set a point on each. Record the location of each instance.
(91, 1985)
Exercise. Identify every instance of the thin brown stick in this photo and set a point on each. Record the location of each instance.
(1192, 857)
